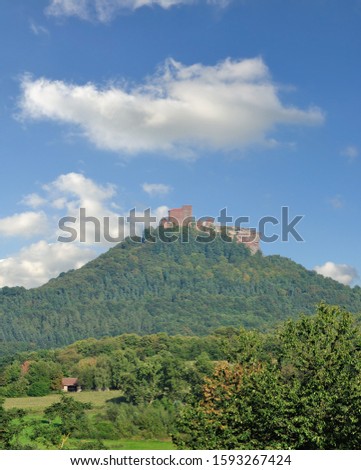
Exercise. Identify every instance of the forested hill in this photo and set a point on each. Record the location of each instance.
(178, 288)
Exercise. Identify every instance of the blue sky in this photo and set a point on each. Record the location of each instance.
(113, 104)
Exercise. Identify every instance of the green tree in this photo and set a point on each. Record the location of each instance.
(11, 426)
(43, 376)
(240, 408)
(204, 364)
(69, 416)
(321, 360)
(307, 397)
(39, 389)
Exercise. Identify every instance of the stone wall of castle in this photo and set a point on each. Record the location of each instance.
(182, 215)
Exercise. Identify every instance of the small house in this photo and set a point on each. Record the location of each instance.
(70, 384)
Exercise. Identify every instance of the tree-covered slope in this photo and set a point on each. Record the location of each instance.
(178, 288)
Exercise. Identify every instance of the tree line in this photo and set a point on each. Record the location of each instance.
(298, 387)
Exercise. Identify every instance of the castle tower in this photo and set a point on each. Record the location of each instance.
(178, 216)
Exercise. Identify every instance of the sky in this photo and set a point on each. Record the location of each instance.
(248, 105)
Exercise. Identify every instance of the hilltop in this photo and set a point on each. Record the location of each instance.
(178, 288)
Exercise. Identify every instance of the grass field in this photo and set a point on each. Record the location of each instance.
(36, 406)
(126, 444)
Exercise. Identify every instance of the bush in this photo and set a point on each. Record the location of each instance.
(92, 445)
(102, 430)
(39, 389)
(153, 421)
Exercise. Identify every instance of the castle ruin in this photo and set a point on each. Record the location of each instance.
(183, 216)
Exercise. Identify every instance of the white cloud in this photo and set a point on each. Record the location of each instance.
(179, 110)
(160, 212)
(154, 189)
(59, 203)
(36, 264)
(25, 224)
(33, 200)
(351, 152)
(79, 8)
(41, 261)
(106, 10)
(72, 191)
(343, 273)
(37, 29)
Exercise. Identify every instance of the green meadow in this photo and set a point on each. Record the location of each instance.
(35, 407)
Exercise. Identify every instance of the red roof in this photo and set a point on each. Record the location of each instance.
(66, 381)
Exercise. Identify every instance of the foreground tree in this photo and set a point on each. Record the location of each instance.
(11, 427)
(321, 362)
(308, 396)
(65, 417)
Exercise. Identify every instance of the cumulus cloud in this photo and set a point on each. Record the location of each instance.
(351, 152)
(179, 110)
(343, 273)
(41, 261)
(71, 192)
(25, 224)
(106, 10)
(35, 264)
(155, 189)
(33, 200)
(74, 190)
